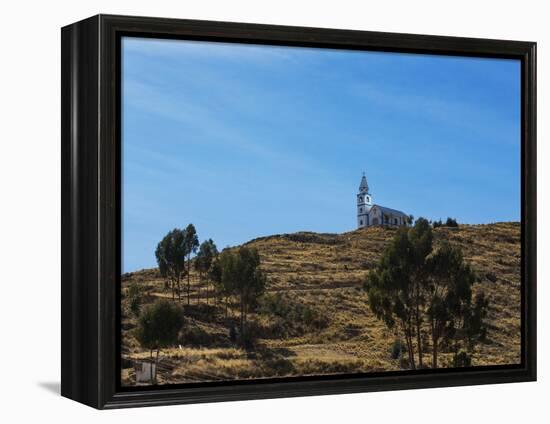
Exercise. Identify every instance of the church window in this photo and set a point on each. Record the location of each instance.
(360, 209)
(361, 222)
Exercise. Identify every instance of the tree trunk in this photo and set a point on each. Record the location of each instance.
(418, 334)
(455, 349)
(156, 364)
(151, 365)
(242, 316)
(412, 364)
(419, 342)
(410, 335)
(245, 314)
(434, 352)
(200, 284)
(188, 278)
(408, 339)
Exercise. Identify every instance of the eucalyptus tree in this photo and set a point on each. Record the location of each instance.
(391, 290)
(425, 290)
(205, 256)
(421, 244)
(191, 242)
(215, 276)
(397, 287)
(170, 254)
(449, 295)
(241, 276)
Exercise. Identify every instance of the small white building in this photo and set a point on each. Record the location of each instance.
(369, 214)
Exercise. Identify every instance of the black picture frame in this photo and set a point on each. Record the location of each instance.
(91, 205)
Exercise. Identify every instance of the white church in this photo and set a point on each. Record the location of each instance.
(369, 214)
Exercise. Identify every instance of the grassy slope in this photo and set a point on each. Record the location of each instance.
(326, 271)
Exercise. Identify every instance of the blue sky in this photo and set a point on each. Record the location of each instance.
(245, 141)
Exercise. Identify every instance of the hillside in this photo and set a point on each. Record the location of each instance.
(318, 279)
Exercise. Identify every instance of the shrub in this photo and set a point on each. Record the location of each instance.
(232, 334)
(158, 327)
(491, 277)
(365, 265)
(248, 337)
(328, 239)
(135, 298)
(278, 366)
(290, 317)
(397, 349)
(462, 359)
(312, 318)
(159, 324)
(193, 335)
(451, 222)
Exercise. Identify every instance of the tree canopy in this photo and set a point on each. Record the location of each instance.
(205, 256)
(203, 262)
(191, 243)
(158, 326)
(241, 275)
(418, 288)
(170, 254)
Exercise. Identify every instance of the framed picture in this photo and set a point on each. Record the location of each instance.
(255, 211)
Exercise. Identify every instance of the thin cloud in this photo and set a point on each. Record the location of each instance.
(206, 127)
(470, 116)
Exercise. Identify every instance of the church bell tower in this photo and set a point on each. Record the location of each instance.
(364, 203)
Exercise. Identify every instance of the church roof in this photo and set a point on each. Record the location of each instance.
(390, 210)
(364, 186)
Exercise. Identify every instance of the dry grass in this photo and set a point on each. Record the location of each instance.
(326, 272)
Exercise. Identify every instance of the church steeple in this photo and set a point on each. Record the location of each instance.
(364, 203)
(364, 186)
